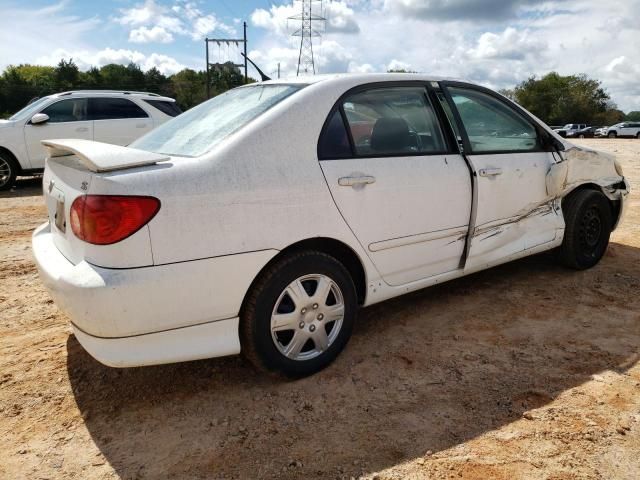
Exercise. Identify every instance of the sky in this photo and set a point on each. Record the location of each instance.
(497, 43)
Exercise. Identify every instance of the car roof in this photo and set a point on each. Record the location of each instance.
(111, 93)
(360, 77)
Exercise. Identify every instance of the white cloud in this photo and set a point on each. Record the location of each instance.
(27, 33)
(511, 44)
(398, 65)
(147, 35)
(340, 18)
(153, 21)
(498, 43)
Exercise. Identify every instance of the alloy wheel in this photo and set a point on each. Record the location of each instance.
(307, 317)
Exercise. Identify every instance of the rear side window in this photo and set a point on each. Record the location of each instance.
(168, 108)
(114, 109)
(394, 121)
(334, 142)
(70, 110)
(491, 125)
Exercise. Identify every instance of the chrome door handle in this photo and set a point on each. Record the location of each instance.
(351, 181)
(82, 129)
(490, 172)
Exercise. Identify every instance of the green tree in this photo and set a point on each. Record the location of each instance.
(633, 116)
(67, 74)
(188, 87)
(224, 78)
(561, 99)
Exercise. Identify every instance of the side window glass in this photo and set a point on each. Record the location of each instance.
(70, 110)
(114, 109)
(393, 121)
(334, 142)
(491, 125)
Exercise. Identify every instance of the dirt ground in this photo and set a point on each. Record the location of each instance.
(527, 370)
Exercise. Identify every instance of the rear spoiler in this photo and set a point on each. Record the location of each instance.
(102, 157)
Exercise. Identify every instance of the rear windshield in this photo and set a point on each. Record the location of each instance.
(198, 130)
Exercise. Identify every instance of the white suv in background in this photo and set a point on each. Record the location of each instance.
(115, 117)
(624, 129)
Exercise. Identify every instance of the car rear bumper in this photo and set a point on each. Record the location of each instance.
(213, 339)
(149, 315)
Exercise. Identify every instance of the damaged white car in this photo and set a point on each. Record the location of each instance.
(261, 220)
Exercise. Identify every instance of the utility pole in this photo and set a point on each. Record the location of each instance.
(278, 69)
(237, 42)
(306, 32)
(245, 53)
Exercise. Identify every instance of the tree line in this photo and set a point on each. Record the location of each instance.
(554, 98)
(558, 100)
(19, 84)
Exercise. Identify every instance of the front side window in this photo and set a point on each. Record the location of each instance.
(393, 121)
(114, 109)
(200, 129)
(491, 125)
(70, 110)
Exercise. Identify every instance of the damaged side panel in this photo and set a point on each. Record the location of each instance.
(579, 166)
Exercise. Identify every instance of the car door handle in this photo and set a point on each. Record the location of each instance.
(82, 129)
(141, 125)
(351, 181)
(490, 172)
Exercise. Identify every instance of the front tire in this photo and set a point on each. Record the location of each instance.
(588, 224)
(612, 135)
(299, 314)
(8, 171)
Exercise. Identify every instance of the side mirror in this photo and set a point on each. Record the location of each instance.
(39, 118)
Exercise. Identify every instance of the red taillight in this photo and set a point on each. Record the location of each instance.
(107, 219)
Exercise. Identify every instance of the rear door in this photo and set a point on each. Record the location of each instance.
(118, 120)
(397, 180)
(505, 150)
(67, 119)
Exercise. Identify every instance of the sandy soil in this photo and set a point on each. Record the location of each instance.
(528, 371)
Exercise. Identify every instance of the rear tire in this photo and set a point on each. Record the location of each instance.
(588, 223)
(299, 314)
(8, 171)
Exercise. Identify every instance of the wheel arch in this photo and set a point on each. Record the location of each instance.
(8, 152)
(615, 205)
(335, 248)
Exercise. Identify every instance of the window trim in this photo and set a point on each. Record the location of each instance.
(546, 143)
(338, 105)
(90, 99)
(58, 101)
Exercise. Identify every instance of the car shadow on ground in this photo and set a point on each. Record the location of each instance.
(24, 187)
(423, 372)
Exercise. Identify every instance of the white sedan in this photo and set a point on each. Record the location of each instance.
(261, 220)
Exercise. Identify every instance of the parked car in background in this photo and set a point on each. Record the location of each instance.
(107, 116)
(587, 132)
(569, 128)
(624, 129)
(601, 132)
(217, 233)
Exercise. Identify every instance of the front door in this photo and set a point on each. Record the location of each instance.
(67, 119)
(510, 165)
(397, 181)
